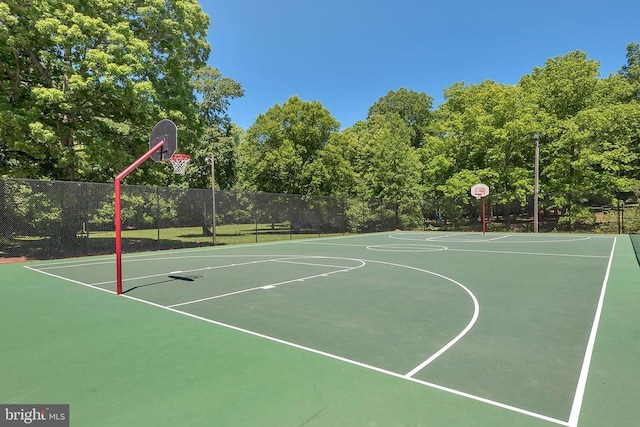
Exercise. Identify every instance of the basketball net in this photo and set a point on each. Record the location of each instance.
(180, 163)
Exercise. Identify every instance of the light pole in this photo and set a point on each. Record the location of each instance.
(536, 188)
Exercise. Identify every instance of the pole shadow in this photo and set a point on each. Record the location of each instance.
(171, 278)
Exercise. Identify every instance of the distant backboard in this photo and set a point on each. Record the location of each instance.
(167, 132)
(479, 191)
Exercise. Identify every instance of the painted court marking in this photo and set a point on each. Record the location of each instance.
(508, 238)
(450, 249)
(529, 253)
(360, 364)
(406, 247)
(584, 372)
(193, 270)
(298, 260)
(273, 285)
(578, 396)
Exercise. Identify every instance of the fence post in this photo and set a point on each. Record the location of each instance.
(255, 214)
(618, 201)
(4, 218)
(158, 215)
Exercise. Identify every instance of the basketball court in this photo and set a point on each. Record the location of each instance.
(400, 328)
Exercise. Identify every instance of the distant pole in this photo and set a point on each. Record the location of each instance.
(619, 217)
(536, 188)
(213, 198)
(484, 221)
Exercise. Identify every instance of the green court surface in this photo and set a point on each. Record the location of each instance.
(388, 329)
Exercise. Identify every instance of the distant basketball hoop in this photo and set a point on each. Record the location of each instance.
(180, 163)
(479, 191)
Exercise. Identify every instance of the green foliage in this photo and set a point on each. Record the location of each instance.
(487, 130)
(282, 149)
(565, 85)
(412, 107)
(631, 71)
(137, 211)
(576, 217)
(631, 220)
(35, 211)
(85, 81)
(220, 137)
(406, 155)
(388, 164)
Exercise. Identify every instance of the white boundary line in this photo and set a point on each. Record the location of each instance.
(490, 402)
(68, 280)
(297, 259)
(193, 270)
(474, 317)
(584, 373)
(448, 238)
(137, 258)
(110, 259)
(356, 363)
(406, 248)
(310, 264)
(528, 253)
(454, 341)
(451, 343)
(272, 285)
(467, 250)
(578, 398)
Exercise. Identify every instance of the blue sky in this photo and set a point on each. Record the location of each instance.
(349, 53)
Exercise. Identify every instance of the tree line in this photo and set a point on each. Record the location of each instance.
(83, 83)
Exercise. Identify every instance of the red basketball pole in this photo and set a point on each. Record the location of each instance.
(117, 218)
(484, 226)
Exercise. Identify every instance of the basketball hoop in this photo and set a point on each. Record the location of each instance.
(180, 163)
(479, 191)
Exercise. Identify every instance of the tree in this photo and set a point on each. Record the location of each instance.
(631, 71)
(388, 167)
(487, 129)
(215, 92)
(282, 147)
(220, 137)
(413, 107)
(331, 173)
(565, 85)
(83, 81)
(579, 115)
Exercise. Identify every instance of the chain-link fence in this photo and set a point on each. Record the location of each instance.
(614, 212)
(58, 219)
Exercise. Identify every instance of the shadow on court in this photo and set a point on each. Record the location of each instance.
(172, 278)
